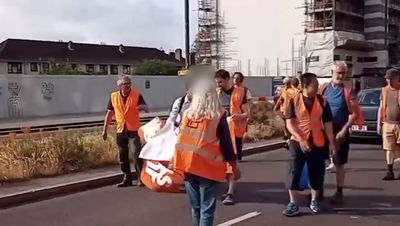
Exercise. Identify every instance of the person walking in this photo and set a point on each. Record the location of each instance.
(309, 121)
(125, 105)
(234, 101)
(203, 150)
(389, 120)
(345, 111)
(180, 105)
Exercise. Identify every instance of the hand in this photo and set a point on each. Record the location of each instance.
(341, 135)
(143, 108)
(332, 150)
(304, 145)
(104, 134)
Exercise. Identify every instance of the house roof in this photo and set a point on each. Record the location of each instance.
(35, 50)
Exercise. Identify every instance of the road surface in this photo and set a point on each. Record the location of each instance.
(369, 201)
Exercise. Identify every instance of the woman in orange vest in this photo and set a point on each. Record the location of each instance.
(125, 105)
(309, 121)
(203, 149)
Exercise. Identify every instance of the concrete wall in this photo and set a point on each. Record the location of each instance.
(31, 96)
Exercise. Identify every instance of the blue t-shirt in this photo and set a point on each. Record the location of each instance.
(340, 112)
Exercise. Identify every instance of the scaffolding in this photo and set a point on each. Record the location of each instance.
(320, 15)
(210, 41)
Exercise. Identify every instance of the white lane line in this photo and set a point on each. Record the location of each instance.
(240, 219)
(367, 208)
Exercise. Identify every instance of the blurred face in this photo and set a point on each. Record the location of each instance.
(189, 94)
(237, 79)
(222, 83)
(125, 86)
(339, 75)
(312, 89)
(394, 82)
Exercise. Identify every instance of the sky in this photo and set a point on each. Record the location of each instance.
(260, 28)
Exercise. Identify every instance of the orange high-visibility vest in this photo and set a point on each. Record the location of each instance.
(384, 102)
(198, 151)
(126, 114)
(238, 94)
(287, 94)
(309, 123)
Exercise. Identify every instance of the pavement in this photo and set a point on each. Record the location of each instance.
(261, 195)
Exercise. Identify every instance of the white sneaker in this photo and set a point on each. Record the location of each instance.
(330, 167)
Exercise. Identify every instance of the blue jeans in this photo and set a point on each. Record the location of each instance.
(202, 196)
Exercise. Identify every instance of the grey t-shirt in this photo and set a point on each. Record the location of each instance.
(225, 99)
(392, 106)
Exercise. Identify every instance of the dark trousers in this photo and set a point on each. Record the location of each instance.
(239, 147)
(123, 147)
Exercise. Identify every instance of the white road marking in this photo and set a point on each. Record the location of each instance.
(240, 219)
(367, 208)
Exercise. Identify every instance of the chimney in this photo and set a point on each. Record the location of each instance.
(121, 48)
(70, 46)
(178, 54)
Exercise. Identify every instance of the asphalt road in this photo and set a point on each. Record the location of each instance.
(369, 201)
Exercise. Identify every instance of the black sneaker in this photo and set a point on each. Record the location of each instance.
(229, 200)
(389, 176)
(337, 198)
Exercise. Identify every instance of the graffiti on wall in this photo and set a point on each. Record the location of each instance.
(47, 90)
(14, 101)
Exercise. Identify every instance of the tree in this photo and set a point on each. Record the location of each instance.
(156, 67)
(64, 69)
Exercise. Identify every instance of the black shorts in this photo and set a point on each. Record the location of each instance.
(342, 155)
(316, 166)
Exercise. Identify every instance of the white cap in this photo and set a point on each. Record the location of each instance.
(286, 80)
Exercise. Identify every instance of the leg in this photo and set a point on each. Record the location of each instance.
(193, 193)
(239, 147)
(229, 198)
(137, 147)
(296, 162)
(123, 148)
(340, 161)
(208, 192)
(316, 173)
(389, 145)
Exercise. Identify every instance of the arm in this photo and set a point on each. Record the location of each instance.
(142, 106)
(107, 121)
(290, 118)
(354, 106)
(327, 120)
(225, 140)
(379, 120)
(173, 115)
(278, 104)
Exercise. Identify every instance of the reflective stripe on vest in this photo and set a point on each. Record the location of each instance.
(201, 151)
(126, 114)
(310, 122)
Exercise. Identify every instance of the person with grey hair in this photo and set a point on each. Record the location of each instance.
(345, 111)
(125, 105)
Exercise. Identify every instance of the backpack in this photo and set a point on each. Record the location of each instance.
(347, 92)
(181, 102)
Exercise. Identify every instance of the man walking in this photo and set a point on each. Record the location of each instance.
(343, 104)
(309, 120)
(389, 120)
(180, 105)
(125, 104)
(234, 101)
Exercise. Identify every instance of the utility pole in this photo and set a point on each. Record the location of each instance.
(187, 34)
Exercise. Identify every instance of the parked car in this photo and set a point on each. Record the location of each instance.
(369, 100)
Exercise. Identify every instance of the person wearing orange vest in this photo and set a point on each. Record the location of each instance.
(309, 121)
(203, 150)
(238, 81)
(345, 111)
(389, 120)
(234, 101)
(125, 105)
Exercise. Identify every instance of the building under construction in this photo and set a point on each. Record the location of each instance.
(210, 41)
(364, 33)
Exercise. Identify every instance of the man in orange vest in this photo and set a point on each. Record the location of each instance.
(389, 120)
(238, 81)
(345, 111)
(234, 101)
(125, 105)
(203, 150)
(309, 120)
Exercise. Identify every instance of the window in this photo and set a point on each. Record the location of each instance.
(126, 69)
(114, 69)
(90, 68)
(34, 67)
(147, 84)
(313, 59)
(367, 59)
(336, 57)
(103, 69)
(14, 68)
(45, 67)
(369, 97)
(349, 58)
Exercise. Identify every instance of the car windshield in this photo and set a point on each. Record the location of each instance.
(369, 97)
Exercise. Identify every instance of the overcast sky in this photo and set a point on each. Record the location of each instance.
(262, 28)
